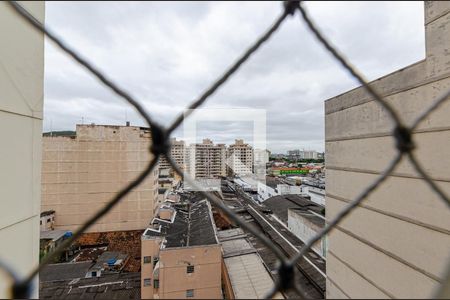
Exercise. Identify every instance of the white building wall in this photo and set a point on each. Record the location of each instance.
(21, 100)
(317, 195)
(265, 192)
(305, 230)
(285, 189)
(396, 243)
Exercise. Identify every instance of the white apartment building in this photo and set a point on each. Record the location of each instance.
(21, 105)
(303, 154)
(206, 160)
(240, 158)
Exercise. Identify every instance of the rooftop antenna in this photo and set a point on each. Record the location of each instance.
(82, 120)
(51, 127)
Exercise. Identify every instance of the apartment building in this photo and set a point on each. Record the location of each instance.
(21, 103)
(239, 159)
(396, 243)
(178, 153)
(181, 256)
(261, 156)
(206, 160)
(302, 154)
(83, 172)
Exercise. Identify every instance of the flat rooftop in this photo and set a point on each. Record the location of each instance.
(224, 235)
(272, 182)
(109, 257)
(234, 242)
(111, 286)
(249, 278)
(64, 271)
(192, 226)
(281, 203)
(53, 235)
(319, 221)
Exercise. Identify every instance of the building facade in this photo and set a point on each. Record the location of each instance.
(305, 224)
(21, 104)
(273, 187)
(83, 172)
(302, 154)
(206, 160)
(181, 256)
(396, 243)
(240, 158)
(178, 153)
(47, 221)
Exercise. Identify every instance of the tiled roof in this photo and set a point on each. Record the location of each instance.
(111, 286)
(64, 271)
(192, 226)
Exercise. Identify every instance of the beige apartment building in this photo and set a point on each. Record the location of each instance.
(206, 160)
(240, 158)
(181, 256)
(21, 103)
(81, 173)
(396, 243)
(178, 153)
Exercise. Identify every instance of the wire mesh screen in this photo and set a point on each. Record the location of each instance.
(285, 280)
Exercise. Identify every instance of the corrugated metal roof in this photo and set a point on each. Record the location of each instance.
(248, 276)
(64, 271)
(114, 286)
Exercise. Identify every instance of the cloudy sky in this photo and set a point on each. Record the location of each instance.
(167, 54)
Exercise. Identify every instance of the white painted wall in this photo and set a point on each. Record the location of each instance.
(317, 195)
(21, 99)
(396, 243)
(265, 192)
(305, 230)
(285, 189)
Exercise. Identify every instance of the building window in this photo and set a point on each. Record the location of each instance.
(147, 281)
(155, 260)
(41, 222)
(189, 293)
(156, 283)
(147, 259)
(190, 269)
(94, 274)
(48, 220)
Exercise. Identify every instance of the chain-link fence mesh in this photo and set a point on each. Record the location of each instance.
(21, 287)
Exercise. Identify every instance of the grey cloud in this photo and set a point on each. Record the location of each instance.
(167, 54)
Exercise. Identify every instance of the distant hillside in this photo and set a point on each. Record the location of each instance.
(61, 133)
